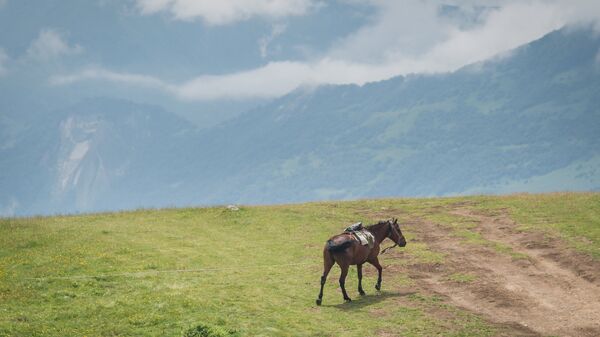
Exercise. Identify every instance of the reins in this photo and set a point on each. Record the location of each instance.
(386, 249)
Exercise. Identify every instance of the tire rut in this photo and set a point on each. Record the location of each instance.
(553, 291)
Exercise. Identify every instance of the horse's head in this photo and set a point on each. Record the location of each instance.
(395, 234)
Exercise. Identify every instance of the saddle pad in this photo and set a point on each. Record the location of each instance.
(364, 237)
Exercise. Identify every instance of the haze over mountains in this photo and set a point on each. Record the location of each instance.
(527, 120)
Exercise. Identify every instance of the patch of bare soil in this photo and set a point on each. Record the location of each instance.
(552, 290)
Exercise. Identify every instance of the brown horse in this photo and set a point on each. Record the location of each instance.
(345, 250)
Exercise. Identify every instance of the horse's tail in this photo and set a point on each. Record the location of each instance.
(338, 245)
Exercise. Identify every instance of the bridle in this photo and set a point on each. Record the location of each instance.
(392, 229)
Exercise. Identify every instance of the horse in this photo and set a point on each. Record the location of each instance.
(345, 250)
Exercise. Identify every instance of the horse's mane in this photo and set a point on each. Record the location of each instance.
(377, 225)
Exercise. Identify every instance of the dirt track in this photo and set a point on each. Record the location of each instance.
(539, 287)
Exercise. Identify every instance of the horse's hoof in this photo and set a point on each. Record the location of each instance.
(378, 287)
(361, 293)
(347, 299)
(319, 301)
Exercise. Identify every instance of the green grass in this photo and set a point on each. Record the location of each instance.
(255, 271)
(462, 278)
(464, 228)
(572, 217)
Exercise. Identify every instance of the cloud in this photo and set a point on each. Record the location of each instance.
(402, 38)
(223, 12)
(274, 79)
(3, 60)
(263, 42)
(95, 73)
(278, 78)
(50, 44)
(504, 29)
(411, 37)
(407, 27)
(238, 85)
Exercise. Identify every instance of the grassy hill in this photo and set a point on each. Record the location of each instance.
(256, 270)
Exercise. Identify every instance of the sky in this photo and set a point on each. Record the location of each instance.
(218, 52)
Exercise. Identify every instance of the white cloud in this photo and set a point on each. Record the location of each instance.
(404, 37)
(3, 60)
(410, 37)
(112, 76)
(239, 85)
(504, 29)
(399, 27)
(226, 11)
(272, 80)
(265, 41)
(50, 44)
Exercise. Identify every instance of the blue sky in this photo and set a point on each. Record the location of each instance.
(213, 52)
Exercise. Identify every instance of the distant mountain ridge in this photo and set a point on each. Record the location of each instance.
(99, 154)
(527, 121)
(478, 129)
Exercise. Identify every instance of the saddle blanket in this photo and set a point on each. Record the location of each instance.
(364, 237)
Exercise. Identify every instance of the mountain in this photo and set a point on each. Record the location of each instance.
(99, 154)
(528, 120)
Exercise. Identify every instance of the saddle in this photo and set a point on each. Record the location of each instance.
(354, 227)
(361, 234)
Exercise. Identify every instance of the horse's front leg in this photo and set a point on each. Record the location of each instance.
(375, 263)
(343, 275)
(359, 271)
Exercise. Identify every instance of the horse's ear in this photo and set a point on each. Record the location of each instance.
(396, 220)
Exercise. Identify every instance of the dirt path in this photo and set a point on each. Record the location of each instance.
(532, 286)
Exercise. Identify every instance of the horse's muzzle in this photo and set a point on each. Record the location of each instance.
(402, 243)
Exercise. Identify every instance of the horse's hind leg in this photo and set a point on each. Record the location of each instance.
(359, 271)
(327, 264)
(343, 275)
